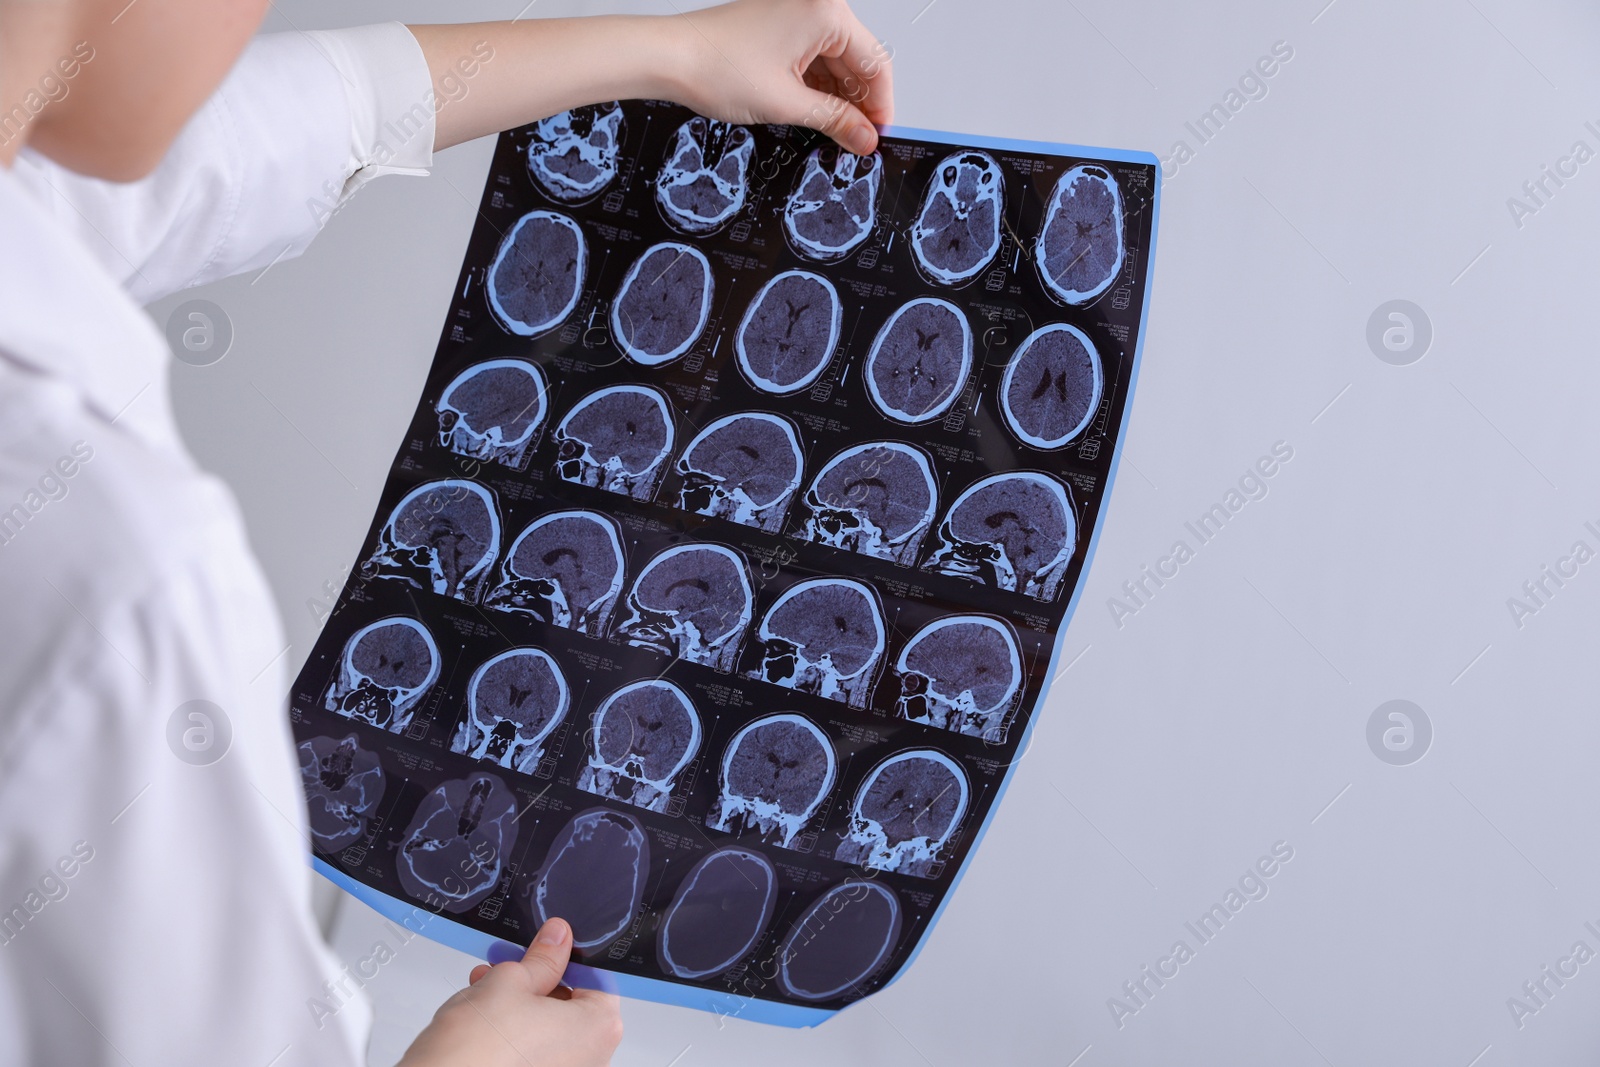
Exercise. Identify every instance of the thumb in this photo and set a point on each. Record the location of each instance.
(546, 959)
(839, 119)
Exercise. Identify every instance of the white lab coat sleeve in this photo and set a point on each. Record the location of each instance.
(300, 123)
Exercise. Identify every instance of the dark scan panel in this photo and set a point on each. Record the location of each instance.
(723, 568)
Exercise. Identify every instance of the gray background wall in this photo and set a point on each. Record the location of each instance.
(1230, 711)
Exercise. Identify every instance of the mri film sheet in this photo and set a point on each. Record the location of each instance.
(721, 574)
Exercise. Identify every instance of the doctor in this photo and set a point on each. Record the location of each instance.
(155, 905)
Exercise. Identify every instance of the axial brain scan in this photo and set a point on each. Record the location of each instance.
(920, 360)
(691, 602)
(616, 439)
(387, 668)
(572, 155)
(537, 276)
(789, 332)
(704, 181)
(457, 843)
(835, 203)
(841, 941)
(514, 700)
(1013, 531)
(663, 304)
(744, 468)
(961, 674)
(493, 410)
(1052, 387)
(644, 734)
(957, 231)
(776, 772)
(877, 499)
(564, 569)
(1080, 248)
(593, 877)
(343, 783)
(442, 538)
(824, 636)
(718, 914)
(905, 811)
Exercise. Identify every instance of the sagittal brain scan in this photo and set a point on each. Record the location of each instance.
(537, 276)
(1014, 531)
(788, 333)
(704, 181)
(572, 155)
(722, 570)
(776, 772)
(744, 468)
(616, 439)
(834, 205)
(493, 409)
(957, 231)
(877, 499)
(644, 735)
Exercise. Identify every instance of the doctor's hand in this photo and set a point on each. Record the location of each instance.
(517, 1014)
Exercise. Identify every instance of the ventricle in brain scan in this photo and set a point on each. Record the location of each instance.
(573, 154)
(564, 569)
(343, 784)
(443, 537)
(835, 203)
(494, 410)
(616, 439)
(905, 813)
(776, 772)
(514, 701)
(704, 181)
(957, 231)
(824, 636)
(458, 842)
(920, 360)
(1052, 386)
(644, 735)
(387, 668)
(877, 499)
(1080, 247)
(663, 303)
(963, 674)
(744, 468)
(593, 877)
(841, 942)
(788, 332)
(718, 914)
(537, 275)
(1015, 531)
(693, 602)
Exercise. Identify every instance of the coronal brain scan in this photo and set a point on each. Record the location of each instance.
(877, 499)
(1080, 247)
(514, 700)
(457, 843)
(824, 636)
(841, 941)
(834, 204)
(1052, 386)
(442, 537)
(776, 772)
(644, 735)
(718, 914)
(744, 468)
(691, 602)
(920, 360)
(572, 155)
(387, 668)
(616, 439)
(343, 783)
(537, 276)
(565, 569)
(957, 231)
(1014, 531)
(492, 410)
(905, 811)
(594, 876)
(961, 674)
(663, 303)
(705, 178)
(789, 332)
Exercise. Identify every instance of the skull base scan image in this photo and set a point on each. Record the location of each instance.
(722, 572)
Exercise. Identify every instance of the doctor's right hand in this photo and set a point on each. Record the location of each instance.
(517, 1014)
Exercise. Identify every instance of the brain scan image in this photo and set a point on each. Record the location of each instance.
(644, 735)
(343, 784)
(840, 942)
(537, 275)
(387, 668)
(443, 537)
(744, 468)
(920, 360)
(458, 842)
(704, 181)
(493, 410)
(962, 674)
(957, 231)
(1080, 247)
(593, 877)
(835, 203)
(719, 913)
(693, 602)
(514, 701)
(776, 772)
(905, 811)
(877, 499)
(823, 636)
(788, 333)
(565, 569)
(663, 304)
(573, 154)
(1052, 386)
(1014, 531)
(616, 439)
